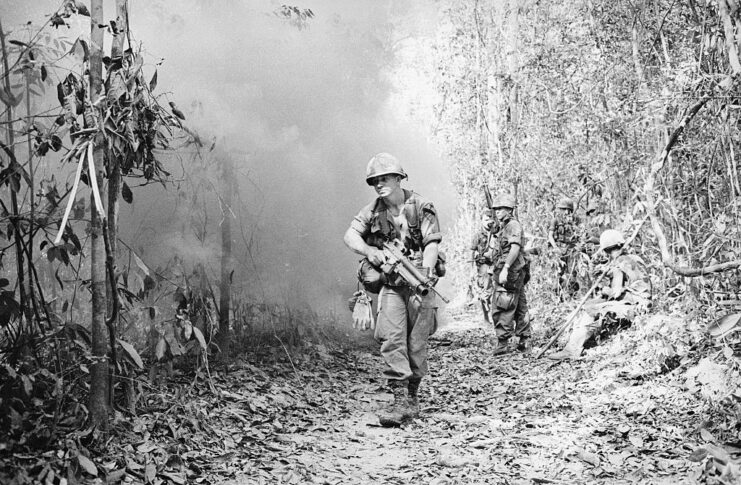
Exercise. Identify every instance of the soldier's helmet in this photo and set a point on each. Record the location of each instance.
(565, 203)
(383, 164)
(504, 200)
(611, 238)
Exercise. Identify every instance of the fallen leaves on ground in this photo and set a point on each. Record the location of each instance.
(504, 419)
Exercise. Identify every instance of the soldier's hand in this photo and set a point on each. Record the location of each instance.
(429, 274)
(503, 276)
(375, 256)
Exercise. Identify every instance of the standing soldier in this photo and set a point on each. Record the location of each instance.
(594, 224)
(563, 235)
(406, 319)
(479, 248)
(509, 303)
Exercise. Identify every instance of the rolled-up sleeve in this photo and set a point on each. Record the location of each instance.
(361, 223)
(429, 225)
(513, 233)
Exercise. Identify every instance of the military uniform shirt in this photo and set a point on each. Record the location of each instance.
(367, 222)
(510, 234)
(565, 229)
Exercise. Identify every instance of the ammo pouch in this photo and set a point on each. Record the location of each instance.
(370, 277)
(440, 264)
(515, 277)
(504, 300)
(526, 273)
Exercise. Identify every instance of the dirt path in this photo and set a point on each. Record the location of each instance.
(506, 420)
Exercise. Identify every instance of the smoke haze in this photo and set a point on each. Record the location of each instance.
(299, 110)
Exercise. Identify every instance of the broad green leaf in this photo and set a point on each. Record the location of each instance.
(87, 465)
(159, 351)
(132, 353)
(150, 472)
(126, 194)
(153, 82)
(141, 264)
(187, 329)
(27, 385)
(199, 337)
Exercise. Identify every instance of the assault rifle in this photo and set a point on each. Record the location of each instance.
(489, 199)
(397, 262)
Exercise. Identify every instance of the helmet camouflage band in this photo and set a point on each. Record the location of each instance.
(610, 239)
(383, 164)
(565, 203)
(505, 200)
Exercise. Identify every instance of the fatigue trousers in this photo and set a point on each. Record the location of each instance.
(484, 288)
(404, 324)
(568, 285)
(514, 320)
(483, 277)
(589, 321)
(585, 326)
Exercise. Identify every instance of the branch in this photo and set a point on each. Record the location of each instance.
(666, 257)
(713, 268)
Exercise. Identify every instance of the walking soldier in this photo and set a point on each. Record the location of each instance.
(406, 317)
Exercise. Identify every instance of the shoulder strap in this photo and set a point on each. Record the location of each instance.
(413, 214)
(380, 211)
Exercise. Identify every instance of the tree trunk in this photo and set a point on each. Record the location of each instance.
(728, 29)
(98, 404)
(114, 183)
(17, 237)
(513, 95)
(222, 337)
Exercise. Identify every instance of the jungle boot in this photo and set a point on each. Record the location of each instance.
(524, 344)
(413, 399)
(395, 413)
(501, 348)
(579, 334)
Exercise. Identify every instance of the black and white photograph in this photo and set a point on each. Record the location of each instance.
(432, 242)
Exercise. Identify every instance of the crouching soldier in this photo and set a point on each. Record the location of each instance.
(509, 273)
(406, 318)
(626, 293)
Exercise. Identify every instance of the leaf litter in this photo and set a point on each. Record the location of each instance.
(504, 419)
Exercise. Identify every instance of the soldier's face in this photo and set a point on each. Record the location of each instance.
(614, 252)
(386, 184)
(501, 213)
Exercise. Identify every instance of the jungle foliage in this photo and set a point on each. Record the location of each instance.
(630, 106)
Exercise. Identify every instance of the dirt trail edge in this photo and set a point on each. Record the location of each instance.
(510, 419)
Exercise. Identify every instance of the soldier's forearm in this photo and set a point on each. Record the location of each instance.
(514, 251)
(429, 255)
(355, 242)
